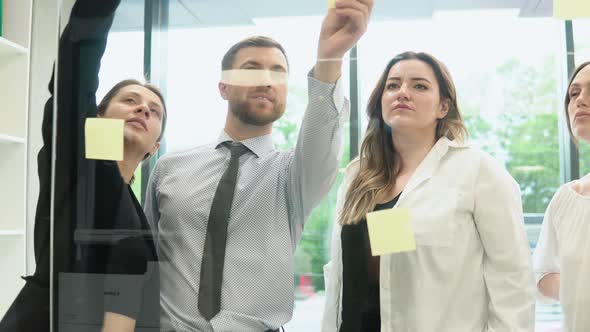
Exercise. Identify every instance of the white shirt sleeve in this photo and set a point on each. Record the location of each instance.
(318, 151)
(546, 257)
(507, 265)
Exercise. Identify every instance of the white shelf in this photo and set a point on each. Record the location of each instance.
(12, 232)
(13, 267)
(10, 48)
(14, 110)
(12, 139)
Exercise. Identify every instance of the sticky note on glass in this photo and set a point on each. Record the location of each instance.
(390, 231)
(331, 4)
(104, 138)
(253, 77)
(569, 9)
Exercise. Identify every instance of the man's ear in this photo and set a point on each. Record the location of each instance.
(222, 90)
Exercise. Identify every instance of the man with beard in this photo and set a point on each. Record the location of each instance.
(229, 214)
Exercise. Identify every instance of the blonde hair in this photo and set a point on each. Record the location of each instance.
(379, 162)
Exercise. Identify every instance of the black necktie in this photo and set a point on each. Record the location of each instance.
(214, 252)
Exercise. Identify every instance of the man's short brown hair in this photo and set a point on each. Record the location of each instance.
(256, 41)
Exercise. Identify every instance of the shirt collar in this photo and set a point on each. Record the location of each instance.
(260, 145)
(443, 144)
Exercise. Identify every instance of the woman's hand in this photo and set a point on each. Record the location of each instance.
(549, 285)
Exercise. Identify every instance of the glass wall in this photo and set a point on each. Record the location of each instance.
(509, 95)
(104, 271)
(132, 228)
(508, 87)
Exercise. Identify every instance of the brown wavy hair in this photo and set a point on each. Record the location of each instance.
(379, 162)
(227, 62)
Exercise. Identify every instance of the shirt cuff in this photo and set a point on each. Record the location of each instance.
(319, 90)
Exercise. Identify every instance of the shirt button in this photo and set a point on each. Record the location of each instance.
(321, 98)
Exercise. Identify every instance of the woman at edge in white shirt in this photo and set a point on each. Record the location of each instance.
(471, 270)
(562, 256)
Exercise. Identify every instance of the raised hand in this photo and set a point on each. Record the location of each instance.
(342, 27)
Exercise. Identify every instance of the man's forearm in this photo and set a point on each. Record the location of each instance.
(328, 70)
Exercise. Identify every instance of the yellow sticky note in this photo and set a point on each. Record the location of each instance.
(331, 4)
(569, 9)
(253, 77)
(104, 138)
(390, 231)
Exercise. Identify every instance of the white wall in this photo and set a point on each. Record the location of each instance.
(43, 53)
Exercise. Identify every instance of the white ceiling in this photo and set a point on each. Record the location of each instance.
(203, 13)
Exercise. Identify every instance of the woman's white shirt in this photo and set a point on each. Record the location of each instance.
(471, 270)
(564, 247)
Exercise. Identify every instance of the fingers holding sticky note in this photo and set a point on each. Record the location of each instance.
(390, 231)
(104, 138)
